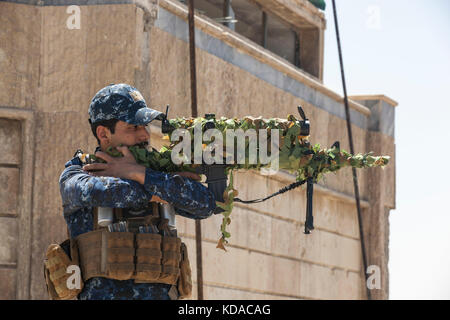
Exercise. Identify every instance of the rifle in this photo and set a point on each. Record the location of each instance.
(296, 154)
(216, 174)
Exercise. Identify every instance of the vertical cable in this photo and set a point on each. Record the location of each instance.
(264, 29)
(194, 114)
(227, 13)
(350, 137)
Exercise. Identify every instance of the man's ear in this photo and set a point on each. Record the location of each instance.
(103, 134)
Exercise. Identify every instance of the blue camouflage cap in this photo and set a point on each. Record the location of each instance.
(122, 102)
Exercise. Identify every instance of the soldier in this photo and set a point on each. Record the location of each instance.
(118, 116)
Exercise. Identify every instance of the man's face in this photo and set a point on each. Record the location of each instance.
(127, 134)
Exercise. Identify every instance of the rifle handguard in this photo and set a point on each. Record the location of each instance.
(216, 179)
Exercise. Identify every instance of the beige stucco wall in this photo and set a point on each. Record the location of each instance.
(51, 73)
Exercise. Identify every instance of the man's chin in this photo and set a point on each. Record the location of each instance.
(142, 145)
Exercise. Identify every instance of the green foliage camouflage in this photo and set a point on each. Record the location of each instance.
(296, 155)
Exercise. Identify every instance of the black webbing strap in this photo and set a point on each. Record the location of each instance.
(309, 225)
(283, 190)
(309, 222)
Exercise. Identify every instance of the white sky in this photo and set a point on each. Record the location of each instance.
(401, 49)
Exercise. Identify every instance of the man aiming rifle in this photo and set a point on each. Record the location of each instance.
(106, 205)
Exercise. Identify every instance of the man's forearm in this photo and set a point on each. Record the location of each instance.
(138, 174)
(184, 193)
(79, 189)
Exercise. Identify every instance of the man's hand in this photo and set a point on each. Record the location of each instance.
(158, 199)
(183, 174)
(124, 167)
(189, 175)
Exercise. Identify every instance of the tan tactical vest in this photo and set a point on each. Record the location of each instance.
(144, 257)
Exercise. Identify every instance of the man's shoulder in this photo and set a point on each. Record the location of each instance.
(69, 165)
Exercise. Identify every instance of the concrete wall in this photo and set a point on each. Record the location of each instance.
(51, 73)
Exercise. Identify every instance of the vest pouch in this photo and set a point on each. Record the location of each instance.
(171, 257)
(106, 254)
(119, 255)
(148, 257)
(56, 266)
(185, 281)
(90, 254)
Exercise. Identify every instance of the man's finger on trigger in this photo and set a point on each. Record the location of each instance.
(192, 176)
(158, 199)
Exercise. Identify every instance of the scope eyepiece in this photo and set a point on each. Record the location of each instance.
(210, 117)
(166, 127)
(304, 125)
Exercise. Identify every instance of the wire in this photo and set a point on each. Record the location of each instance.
(194, 114)
(350, 137)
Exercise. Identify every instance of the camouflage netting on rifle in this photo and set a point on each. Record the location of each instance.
(295, 153)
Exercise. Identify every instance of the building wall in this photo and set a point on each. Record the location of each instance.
(52, 72)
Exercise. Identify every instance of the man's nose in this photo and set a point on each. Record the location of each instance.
(144, 135)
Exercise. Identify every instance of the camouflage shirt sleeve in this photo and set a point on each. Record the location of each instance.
(79, 189)
(193, 199)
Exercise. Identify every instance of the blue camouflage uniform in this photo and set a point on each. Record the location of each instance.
(82, 192)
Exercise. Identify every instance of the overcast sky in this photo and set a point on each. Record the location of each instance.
(401, 49)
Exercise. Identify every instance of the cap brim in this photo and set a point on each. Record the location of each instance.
(146, 115)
